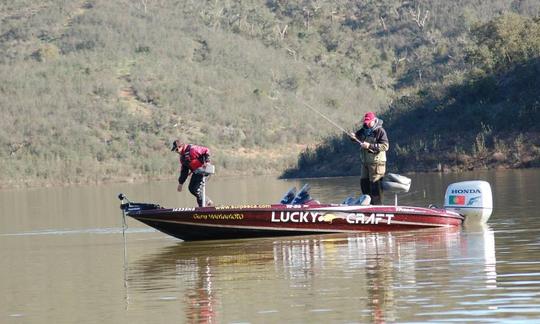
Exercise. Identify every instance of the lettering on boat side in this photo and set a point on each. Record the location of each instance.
(241, 207)
(374, 218)
(183, 209)
(317, 217)
(235, 216)
(296, 217)
(406, 210)
(295, 206)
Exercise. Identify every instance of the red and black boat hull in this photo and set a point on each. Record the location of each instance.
(249, 221)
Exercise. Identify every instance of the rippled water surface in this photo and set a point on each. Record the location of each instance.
(64, 260)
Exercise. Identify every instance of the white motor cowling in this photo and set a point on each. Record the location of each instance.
(473, 199)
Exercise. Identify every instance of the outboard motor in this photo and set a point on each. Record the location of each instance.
(472, 199)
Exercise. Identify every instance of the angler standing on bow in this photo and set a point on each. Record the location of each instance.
(374, 143)
(193, 160)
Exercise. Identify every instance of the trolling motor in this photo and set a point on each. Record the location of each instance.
(124, 201)
(130, 207)
(125, 207)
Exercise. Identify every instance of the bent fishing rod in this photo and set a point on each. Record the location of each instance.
(331, 122)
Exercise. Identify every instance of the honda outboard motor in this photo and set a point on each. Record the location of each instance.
(472, 199)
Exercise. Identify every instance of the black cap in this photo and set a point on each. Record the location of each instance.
(174, 145)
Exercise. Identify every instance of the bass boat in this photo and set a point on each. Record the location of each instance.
(298, 214)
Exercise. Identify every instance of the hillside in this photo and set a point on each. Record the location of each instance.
(95, 90)
(487, 118)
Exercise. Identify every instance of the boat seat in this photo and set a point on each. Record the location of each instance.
(302, 196)
(363, 200)
(289, 196)
(397, 178)
(395, 187)
(396, 183)
(348, 201)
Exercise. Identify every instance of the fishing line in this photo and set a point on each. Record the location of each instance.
(330, 121)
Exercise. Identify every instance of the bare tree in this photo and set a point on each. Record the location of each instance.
(218, 13)
(281, 32)
(307, 15)
(291, 52)
(401, 59)
(383, 24)
(416, 15)
(144, 4)
(396, 12)
(332, 14)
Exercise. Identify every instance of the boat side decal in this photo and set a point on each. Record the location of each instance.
(217, 216)
(242, 207)
(320, 217)
(295, 217)
(374, 218)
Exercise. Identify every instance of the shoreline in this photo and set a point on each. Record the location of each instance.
(33, 184)
(29, 185)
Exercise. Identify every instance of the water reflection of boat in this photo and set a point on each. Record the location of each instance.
(372, 271)
(478, 245)
(299, 214)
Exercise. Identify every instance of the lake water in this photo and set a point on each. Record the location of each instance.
(64, 260)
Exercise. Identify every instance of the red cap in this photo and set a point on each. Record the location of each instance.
(368, 117)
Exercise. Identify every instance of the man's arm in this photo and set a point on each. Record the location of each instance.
(381, 144)
(184, 172)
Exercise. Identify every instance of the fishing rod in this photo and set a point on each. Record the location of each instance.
(331, 122)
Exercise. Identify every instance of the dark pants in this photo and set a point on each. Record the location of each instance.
(195, 187)
(371, 181)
